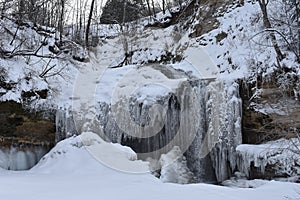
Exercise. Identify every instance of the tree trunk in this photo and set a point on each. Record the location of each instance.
(298, 24)
(164, 6)
(61, 21)
(124, 12)
(263, 6)
(3, 9)
(153, 8)
(149, 7)
(21, 9)
(89, 24)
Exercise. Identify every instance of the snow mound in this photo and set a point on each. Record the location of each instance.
(88, 153)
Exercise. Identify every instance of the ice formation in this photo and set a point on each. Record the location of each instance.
(201, 116)
(281, 155)
(16, 158)
(65, 126)
(174, 167)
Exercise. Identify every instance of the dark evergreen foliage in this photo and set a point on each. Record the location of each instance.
(120, 11)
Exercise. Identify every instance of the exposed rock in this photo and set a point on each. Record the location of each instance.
(269, 113)
(25, 136)
(39, 94)
(272, 114)
(21, 126)
(275, 159)
(207, 14)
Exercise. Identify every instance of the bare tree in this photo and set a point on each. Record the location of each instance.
(263, 6)
(89, 24)
(164, 6)
(149, 7)
(153, 8)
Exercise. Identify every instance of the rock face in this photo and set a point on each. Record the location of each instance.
(25, 136)
(208, 12)
(273, 114)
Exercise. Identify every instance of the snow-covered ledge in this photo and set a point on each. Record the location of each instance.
(279, 158)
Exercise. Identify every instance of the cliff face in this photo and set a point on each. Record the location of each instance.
(22, 126)
(272, 114)
(25, 136)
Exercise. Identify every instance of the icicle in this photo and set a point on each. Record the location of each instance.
(211, 156)
(223, 119)
(65, 125)
(16, 158)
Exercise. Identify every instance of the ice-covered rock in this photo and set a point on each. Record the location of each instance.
(224, 111)
(211, 152)
(279, 158)
(174, 167)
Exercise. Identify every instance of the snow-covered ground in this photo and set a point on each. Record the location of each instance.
(69, 171)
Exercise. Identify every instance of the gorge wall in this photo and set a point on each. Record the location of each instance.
(25, 136)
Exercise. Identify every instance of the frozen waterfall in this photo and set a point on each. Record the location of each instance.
(201, 117)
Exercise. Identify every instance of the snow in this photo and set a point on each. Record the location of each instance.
(77, 81)
(210, 61)
(146, 82)
(235, 47)
(69, 171)
(283, 153)
(114, 156)
(267, 108)
(70, 154)
(201, 60)
(243, 183)
(25, 73)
